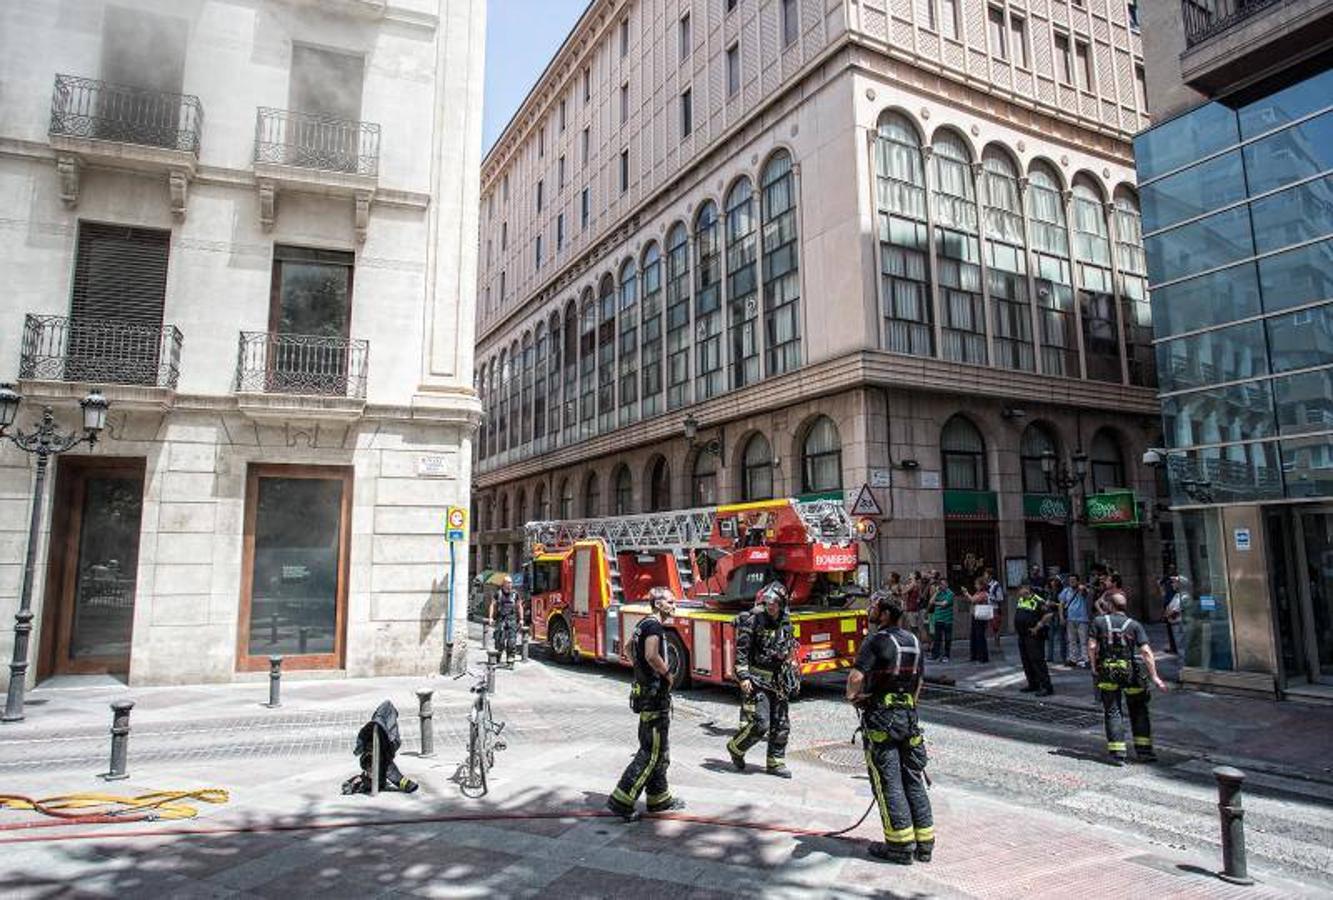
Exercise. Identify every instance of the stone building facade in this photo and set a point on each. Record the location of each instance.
(852, 243)
(252, 225)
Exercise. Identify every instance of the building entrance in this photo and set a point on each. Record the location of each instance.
(1302, 542)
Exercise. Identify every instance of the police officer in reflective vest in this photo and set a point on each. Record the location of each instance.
(504, 616)
(765, 668)
(1122, 663)
(885, 683)
(650, 697)
(1031, 619)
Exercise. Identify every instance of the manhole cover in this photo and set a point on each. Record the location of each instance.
(851, 758)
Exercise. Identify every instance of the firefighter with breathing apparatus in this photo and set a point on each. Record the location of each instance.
(766, 670)
(1122, 664)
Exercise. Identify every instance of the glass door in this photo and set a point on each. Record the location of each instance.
(1317, 534)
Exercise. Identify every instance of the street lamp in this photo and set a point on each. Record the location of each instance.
(43, 441)
(1062, 477)
(712, 445)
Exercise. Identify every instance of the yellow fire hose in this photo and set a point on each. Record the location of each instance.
(95, 808)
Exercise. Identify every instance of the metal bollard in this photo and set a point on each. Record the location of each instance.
(274, 682)
(492, 663)
(1229, 781)
(120, 739)
(426, 711)
(523, 643)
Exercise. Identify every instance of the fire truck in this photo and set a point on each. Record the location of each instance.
(590, 580)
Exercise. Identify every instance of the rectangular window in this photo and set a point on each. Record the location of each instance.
(1141, 88)
(1018, 34)
(541, 142)
(1132, 10)
(538, 253)
(502, 286)
(926, 9)
(504, 236)
(562, 115)
(624, 171)
(584, 208)
(504, 189)
(790, 22)
(1083, 53)
(584, 143)
(559, 232)
(733, 69)
(995, 29)
(624, 104)
(560, 173)
(730, 5)
(686, 113)
(540, 191)
(624, 38)
(949, 18)
(587, 84)
(1064, 60)
(490, 247)
(685, 37)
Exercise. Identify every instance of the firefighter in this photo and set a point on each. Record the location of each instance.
(885, 684)
(1032, 616)
(1122, 663)
(650, 697)
(765, 668)
(744, 623)
(504, 630)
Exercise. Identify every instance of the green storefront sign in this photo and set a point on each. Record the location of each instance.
(1045, 508)
(1113, 509)
(973, 505)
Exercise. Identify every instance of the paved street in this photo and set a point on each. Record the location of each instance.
(1024, 805)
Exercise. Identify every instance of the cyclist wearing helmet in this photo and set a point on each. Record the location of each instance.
(763, 650)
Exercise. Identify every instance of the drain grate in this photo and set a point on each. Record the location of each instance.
(1011, 708)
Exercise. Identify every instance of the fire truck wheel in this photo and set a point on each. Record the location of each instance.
(560, 640)
(678, 660)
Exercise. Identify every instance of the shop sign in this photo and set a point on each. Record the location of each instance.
(971, 505)
(829, 558)
(1045, 508)
(1113, 509)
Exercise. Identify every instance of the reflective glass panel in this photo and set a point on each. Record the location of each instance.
(1231, 474)
(1307, 466)
(107, 568)
(1197, 190)
(1297, 276)
(1289, 155)
(1206, 244)
(1288, 104)
(1207, 300)
(1236, 413)
(1228, 354)
(1301, 340)
(1205, 627)
(1305, 402)
(1297, 214)
(1175, 143)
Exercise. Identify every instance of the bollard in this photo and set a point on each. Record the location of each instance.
(304, 633)
(374, 761)
(492, 663)
(120, 739)
(523, 643)
(1229, 781)
(274, 682)
(426, 712)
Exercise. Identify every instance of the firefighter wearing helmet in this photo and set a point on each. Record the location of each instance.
(765, 668)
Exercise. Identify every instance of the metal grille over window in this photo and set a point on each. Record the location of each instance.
(782, 282)
(904, 265)
(958, 252)
(742, 286)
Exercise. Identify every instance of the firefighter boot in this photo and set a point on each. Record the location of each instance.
(881, 850)
(627, 813)
(777, 768)
(737, 759)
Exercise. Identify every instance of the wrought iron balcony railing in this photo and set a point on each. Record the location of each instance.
(1205, 18)
(271, 363)
(97, 110)
(310, 141)
(57, 348)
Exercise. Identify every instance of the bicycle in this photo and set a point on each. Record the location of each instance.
(483, 738)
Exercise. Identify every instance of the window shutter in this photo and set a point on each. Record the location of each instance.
(120, 274)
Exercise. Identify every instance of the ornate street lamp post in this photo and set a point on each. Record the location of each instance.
(1062, 477)
(45, 442)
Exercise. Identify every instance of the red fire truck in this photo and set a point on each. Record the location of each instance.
(590, 579)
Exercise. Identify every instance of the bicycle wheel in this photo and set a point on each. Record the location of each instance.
(476, 772)
(488, 728)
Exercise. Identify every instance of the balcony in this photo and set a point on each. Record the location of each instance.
(279, 374)
(64, 353)
(1227, 41)
(316, 154)
(97, 123)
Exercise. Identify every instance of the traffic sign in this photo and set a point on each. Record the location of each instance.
(866, 529)
(456, 524)
(865, 503)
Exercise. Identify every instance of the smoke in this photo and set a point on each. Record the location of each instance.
(143, 49)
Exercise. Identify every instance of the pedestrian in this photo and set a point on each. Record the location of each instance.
(1171, 609)
(765, 658)
(1074, 601)
(1057, 650)
(504, 615)
(941, 618)
(885, 684)
(1123, 664)
(982, 611)
(997, 600)
(1036, 579)
(1030, 621)
(912, 619)
(650, 697)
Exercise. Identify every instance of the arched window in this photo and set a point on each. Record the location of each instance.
(650, 362)
(484, 395)
(521, 509)
(1096, 294)
(566, 499)
(493, 419)
(504, 524)
(513, 413)
(703, 486)
(541, 506)
(963, 454)
(904, 266)
(623, 486)
(540, 362)
(659, 488)
(592, 496)
(525, 404)
(587, 365)
(1036, 442)
(757, 465)
(742, 286)
(503, 415)
(571, 371)
(707, 304)
(782, 282)
(1006, 259)
(821, 458)
(1136, 311)
(958, 251)
(1050, 255)
(553, 377)
(606, 354)
(678, 317)
(628, 357)
(1106, 463)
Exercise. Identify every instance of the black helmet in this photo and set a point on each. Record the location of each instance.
(774, 592)
(882, 601)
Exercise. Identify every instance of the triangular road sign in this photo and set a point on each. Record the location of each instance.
(865, 503)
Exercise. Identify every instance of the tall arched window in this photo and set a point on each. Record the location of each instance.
(484, 395)
(493, 419)
(678, 317)
(1036, 442)
(503, 417)
(570, 352)
(541, 506)
(1006, 260)
(650, 360)
(567, 499)
(903, 244)
(821, 457)
(958, 251)
(963, 454)
(606, 354)
(1096, 294)
(1136, 311)
(1106, 463)
(708, 304)
(782, 281)
(757, 466)
(742, 286)
(1050, 254)
(592, 496)
(703, 484)
(659, 486)
(521, 508)
(623, 487)
(627, 363)
(525, 404)
(514, 412)
(587, 365)
(540, 364)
